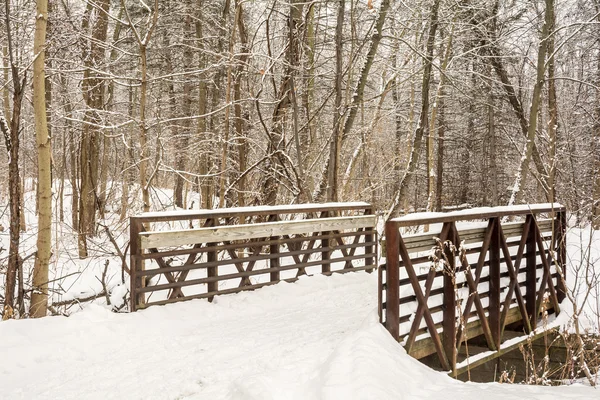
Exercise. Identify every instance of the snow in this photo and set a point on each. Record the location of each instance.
(241, 210)
(524, 208)
(318, 338)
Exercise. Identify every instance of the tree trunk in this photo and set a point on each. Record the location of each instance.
(205, 181)
(335, 144)
(521, 175)
(11, 138)
(39, 296)
(596, 147)
(433, 183)
(240, 134)
(423, 121)
(93, 87)
(552, 103)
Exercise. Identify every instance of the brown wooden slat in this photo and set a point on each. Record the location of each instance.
(210, 295)
(466, 216)
(202, 265)
(392, 271)
(422, 301)
(244, 244)
(245, 274)
(513, 286)
(249, 211)
(495, 288)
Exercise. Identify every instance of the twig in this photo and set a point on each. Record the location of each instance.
(78, 300)
(118, 249)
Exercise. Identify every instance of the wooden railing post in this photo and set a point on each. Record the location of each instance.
(392, 279)
(531, 272)
(211, 256)
(494, 307)
(449, 307)
(369, 248)
(135, 261)
(325, 263)
(561, 254)
(274, 249)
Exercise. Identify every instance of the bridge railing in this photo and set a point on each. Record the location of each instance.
(464, 279)
(203, 253)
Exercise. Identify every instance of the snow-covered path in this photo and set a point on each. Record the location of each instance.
(315, 339)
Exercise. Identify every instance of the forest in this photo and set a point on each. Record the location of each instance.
(111, 108)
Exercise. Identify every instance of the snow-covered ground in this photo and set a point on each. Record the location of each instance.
(318, 338)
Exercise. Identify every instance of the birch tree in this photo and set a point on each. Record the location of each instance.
(39, 296)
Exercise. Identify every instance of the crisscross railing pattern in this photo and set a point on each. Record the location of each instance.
(466, 279)
(199, 254)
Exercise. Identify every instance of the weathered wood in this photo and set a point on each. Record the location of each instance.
(435, 300)
(466, 215)
(423, 301)
(449, 309)
(211, 257)
(425, 346)
(136, 264)
(218, 213)
(325, 251)
(210, 295)
(392, 274)
(561, 244)
(253, 258)
(253, 231)
(547, 275)
(474, 294)
(464, 367)
(513, 286)
(495, 288)
(246, 273)
(274, 250)
(424, 242)
(368, 247)
(531, 272)
(244, 244)
(423, 306)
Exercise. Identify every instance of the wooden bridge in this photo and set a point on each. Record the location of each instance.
(464, 279)
(203, 253)
(459, 281)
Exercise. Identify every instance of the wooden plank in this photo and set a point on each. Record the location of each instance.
(425, 346)
(449, 319)
(478, 271)
(531, 274)
(325, 247)
(246, 244)
(210, 295)
(424, 242)
(244, 273)
(503, 350)
(561, 244)
(392, 274)
(136, 264)
(513, 286)
(254, 231)
(211, 257)
(422, 300)
(495, 288)
(422, 305)
(473, 214)
(229, 261)
(249, 211)
(369, 237)
(274, 250)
